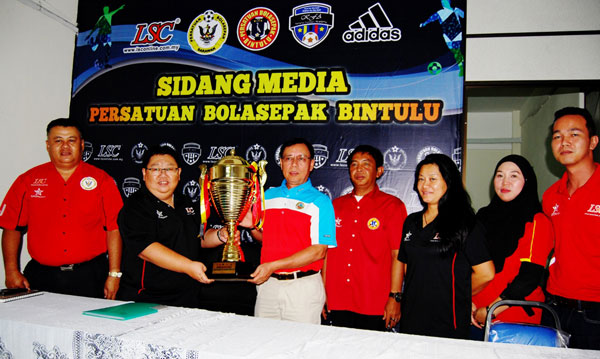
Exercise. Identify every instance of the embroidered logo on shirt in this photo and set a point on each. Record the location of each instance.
(160, 214)
(2, 210)
(594, 210)
(88, 183)
(190, 211)
(338, 222)
(40, 182)
(555, 211)
(299, 205)
(38, 193)
(373, 223)
(407, 236)
(436, 238)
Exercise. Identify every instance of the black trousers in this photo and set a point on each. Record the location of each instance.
(583, 323)
(84, 279)
(344, 318)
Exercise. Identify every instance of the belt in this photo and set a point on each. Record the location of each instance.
(574, 303)
(295, 275)
(74, 266)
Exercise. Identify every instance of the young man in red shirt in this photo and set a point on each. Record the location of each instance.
(362, 275)
(573, 206)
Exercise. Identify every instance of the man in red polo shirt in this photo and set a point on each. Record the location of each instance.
(362, 274)
(69, 210)
(573, 206)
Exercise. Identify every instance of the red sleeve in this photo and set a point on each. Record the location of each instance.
(112, 201)
(14, 210)
(540, 239)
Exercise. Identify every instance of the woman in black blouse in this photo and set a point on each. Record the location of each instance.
(443, 253)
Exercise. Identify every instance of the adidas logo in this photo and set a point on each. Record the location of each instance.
(372, 26)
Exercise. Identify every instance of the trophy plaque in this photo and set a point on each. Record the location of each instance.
(234, 187)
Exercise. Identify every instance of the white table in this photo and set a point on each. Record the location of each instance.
(52, 326)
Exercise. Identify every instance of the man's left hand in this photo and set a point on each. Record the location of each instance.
(391, 315)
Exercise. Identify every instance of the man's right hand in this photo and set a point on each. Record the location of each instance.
(15, 279)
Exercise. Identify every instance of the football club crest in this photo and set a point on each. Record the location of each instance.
(137, 153)
(88, 183)
(373, 223)
(192, 190)
(207, 33)
(130, 186)
(394, 158)
(88, 150)
(278, 156)
(300, 205)
(256, 153)
(321, 155)
(191, 152)
(325, 191)
(310, 23)
(427, 151)
(258, 29)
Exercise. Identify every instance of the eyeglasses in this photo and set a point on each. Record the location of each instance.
(300, 159)
(169, 170)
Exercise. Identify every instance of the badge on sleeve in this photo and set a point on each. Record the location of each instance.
(88, 183)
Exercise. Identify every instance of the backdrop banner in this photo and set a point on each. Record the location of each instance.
(208, 77)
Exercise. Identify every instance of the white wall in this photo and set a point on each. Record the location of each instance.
(37, 61)
(537, 117)
(489, 136)
(518, 56)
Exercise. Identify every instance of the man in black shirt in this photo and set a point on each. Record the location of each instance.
(161, 248)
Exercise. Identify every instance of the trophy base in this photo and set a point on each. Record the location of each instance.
(230, 271)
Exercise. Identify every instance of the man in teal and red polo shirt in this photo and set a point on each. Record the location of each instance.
(69, 210)
(573, 206)
(299, 227)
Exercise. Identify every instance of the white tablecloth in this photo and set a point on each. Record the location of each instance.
(52, 326)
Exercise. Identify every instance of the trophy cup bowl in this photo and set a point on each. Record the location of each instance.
(232, 192)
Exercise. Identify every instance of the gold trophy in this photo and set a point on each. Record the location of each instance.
(234, 187)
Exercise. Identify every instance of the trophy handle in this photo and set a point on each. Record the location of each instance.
(204, 198)
(262, 172)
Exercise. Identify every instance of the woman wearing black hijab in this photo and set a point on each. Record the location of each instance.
(519, 238)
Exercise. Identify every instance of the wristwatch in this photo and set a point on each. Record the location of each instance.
(115, 274)
(397, 296)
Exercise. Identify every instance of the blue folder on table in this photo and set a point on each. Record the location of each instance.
(124, 311)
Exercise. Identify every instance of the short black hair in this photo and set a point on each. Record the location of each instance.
(373, 151)
(64, 122)
(297, 141)
(159, 150)
(587, 116)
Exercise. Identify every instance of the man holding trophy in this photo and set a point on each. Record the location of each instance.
(299, 226)
(159, 227)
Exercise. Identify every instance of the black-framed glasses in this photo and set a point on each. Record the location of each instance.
(168, 170)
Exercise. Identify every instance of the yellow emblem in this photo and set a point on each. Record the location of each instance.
(373, 223)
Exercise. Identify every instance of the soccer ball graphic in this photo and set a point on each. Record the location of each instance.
(209, 15)
(310, 38)
(434, 68)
